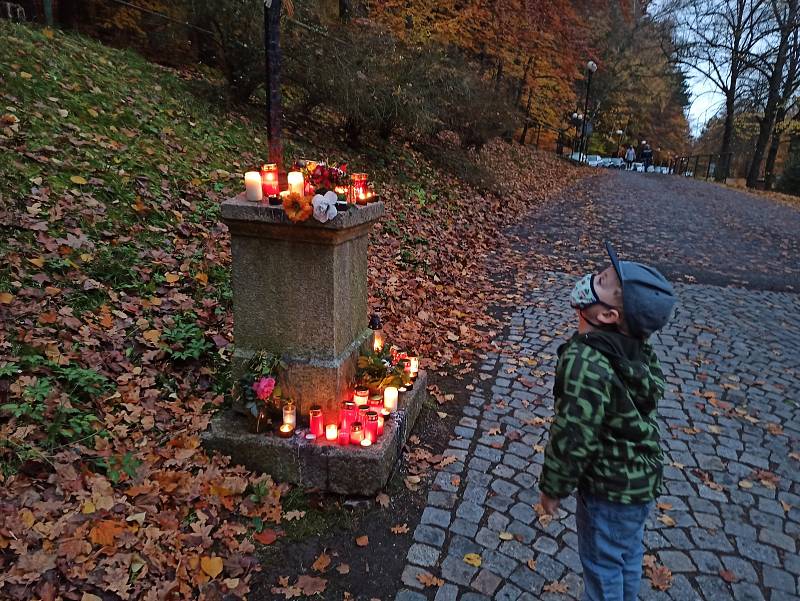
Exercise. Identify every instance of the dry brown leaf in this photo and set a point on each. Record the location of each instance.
(505, 536)
(211, 565)
(322, 562)
(293, 515)
(105, 532)
(473, 559)
(660, 577)
(428, 580)
(666, 520)
(400, 529)
(728, 576)
(343, 568)
(532, 564)
(362, 541)
(664, 506)
(266, 537)
(556, 587)
(311, 585)
(383, 500)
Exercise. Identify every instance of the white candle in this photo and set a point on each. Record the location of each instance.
(331, 432)
(390, 398)
(414, 364)
(290, 414)
(252, 186)
(295, 180)
(366, 442)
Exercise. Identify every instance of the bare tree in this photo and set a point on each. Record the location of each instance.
(791, 83)
(717, 40)
(785, 16)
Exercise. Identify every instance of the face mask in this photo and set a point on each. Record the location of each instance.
(584, 296)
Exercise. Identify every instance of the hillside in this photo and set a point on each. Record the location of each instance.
(115, 305)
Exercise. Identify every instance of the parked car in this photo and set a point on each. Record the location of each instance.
(616, 163)
(638, 167)
(575, 156)
(594, 160)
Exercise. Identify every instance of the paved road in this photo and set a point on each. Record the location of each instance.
(729, 517)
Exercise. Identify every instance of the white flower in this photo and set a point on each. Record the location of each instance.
(325, 206)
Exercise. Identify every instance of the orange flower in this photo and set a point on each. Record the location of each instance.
(298, 208)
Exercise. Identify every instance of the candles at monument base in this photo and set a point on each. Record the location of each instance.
(269, 180)
(316, 421)
(296, 182)
(331, 432)
(290, 414)
(286, 431)
(390, 398)
(344, 437)
(252, 186)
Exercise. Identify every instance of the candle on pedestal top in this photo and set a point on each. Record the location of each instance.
(252, 186)
(390, 398)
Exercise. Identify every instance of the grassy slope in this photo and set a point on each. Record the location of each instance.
(115, 298)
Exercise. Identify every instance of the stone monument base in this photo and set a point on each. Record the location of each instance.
(319, 464)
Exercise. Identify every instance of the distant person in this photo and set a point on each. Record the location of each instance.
(630, 157)
(647, 155)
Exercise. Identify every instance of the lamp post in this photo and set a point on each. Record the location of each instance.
(577, 118)
(591, 67)
(619, 141)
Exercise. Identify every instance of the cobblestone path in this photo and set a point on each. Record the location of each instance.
(728, 520)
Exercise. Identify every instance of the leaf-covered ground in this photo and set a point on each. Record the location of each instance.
(116, 323)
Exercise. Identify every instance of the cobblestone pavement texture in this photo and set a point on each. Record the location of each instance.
(728, 521)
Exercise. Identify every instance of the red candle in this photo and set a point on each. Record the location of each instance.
(384, 413)
(358, 188)
(362, 414)
(372, 426)
(347, 414)
(269, 179)
(375, 402)
(344, 437)
(315, 420)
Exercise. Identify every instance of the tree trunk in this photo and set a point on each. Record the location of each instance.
(345, 11)
(727, 134)
(767, 124)
(525, 124)
(272, 47)
(772, 154)
(522, 80)
(499, 75)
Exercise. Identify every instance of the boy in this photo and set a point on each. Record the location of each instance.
(604, 439)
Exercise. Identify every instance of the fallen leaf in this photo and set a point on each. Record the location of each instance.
(400, 529)
(664, 506)
(311, 585)
(505, 536)
(666, 520)
(343, 568)
(151, 335)
(362, 541)
(532, 564)
(293, 515)
(211, 565)
(728, 576)
(556, 587)
(105, 532)
(77, 179)
(428, 580)
(786, 506)
(473, 559)
(90, 597)
(172, 277)
(321, 563)
(383, 500)
(660, 577)
(6, 298)
(266, 537)
(746, 484)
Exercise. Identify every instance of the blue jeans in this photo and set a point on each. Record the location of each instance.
(611, 547)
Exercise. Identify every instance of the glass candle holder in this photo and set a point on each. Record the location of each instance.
(296, 182)
(331, 432)
(372, 426)
(356, 433)
(290, 414)
(269, 179)
(414, 365)
(362, 414)
(358, 188)
(377, 341)
(361, 395)
(252, 186)
(316, 423)
(347, 414)
(344, 437)
(286, 431)
(390, 398)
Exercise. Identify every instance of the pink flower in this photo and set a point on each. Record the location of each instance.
(263, 387)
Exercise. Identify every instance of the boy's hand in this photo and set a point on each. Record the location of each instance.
(549, 504)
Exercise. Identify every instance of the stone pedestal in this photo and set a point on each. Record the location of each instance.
(300, 290)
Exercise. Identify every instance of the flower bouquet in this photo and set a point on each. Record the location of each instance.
(259, 391)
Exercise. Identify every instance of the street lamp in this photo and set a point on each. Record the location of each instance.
(591, 67)
(619, 141)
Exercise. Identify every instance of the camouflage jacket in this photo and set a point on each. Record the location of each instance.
(604, 438)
